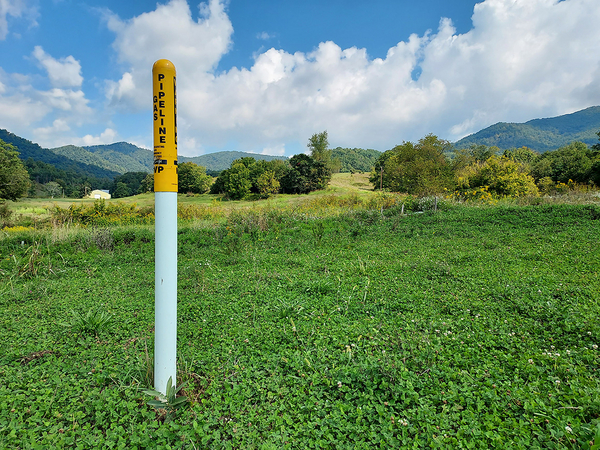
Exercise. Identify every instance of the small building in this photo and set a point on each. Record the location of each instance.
(99, 193)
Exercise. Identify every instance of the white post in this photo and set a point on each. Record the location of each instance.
(165, 223)
(165, 303)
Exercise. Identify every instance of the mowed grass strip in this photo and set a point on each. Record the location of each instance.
(467, 328)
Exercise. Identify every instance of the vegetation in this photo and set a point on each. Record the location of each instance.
(74, 184)
(318, 145)
(354, 160)
(248, 176)
(192, 178)
(306, 174)
(370, 328)
(128, 184)
(219, 161)
(14, 179)
(422, 168)
(481, 173)
(540, 134)
(261, 179)
(28, 149)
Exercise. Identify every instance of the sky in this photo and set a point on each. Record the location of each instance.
(263, 76)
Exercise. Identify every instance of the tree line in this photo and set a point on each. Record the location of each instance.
(434, 166)
(429, 166)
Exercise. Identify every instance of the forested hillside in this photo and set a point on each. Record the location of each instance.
(222, 160)
(355, 159)
(28, 149)
(540, 134)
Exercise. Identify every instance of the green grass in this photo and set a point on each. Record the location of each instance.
(469, 328)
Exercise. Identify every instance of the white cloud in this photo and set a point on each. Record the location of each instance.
(15, 8)
(169, 32)
(70, 101)
(53, 112)
(522, 59)
(108, 136)
(65, 72)
(264, 36)
(60, 133)
(274, 150)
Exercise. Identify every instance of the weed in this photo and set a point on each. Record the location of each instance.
(169, 401)
(94, 321)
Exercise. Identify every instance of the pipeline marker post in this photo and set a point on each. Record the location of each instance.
(165, 223)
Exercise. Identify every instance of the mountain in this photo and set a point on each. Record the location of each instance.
(540, 134)
(123, 157)
(28, 149)
(131, 157)
(222, 160)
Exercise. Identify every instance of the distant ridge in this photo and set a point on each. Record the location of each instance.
(222, 160)
(540, 134)
(124, 157)
(28, 149)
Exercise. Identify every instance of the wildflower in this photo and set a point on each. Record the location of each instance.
(557, 382)
(530, 361)
(339, 383)
(569, 429)
(595, 347)
(404, 422)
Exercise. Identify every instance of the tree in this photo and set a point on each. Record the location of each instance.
(267, 184)
(419, 169)
(318, 145)
(596, 147)
(14, 178)
(237, 182)
(132, 182)
(305, 175)
(248, 176)
(147, 184)
(476, 153)
(121, 190)
(53, 189)
(571, 162)
(193, 178)
(522, 155)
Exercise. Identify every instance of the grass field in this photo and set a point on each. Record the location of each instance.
(472, 327)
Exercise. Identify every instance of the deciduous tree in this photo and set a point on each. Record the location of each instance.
(14, 178)
(419, 169)
(192, 178)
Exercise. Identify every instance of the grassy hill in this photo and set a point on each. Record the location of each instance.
(540, 134)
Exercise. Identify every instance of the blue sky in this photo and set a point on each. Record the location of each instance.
(264, 75)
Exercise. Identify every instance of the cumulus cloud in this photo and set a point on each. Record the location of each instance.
(15, 8)
(169, 32)
(60, 133)
(23, 107)
(108, 136)
(65, 72)
(522, 59)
